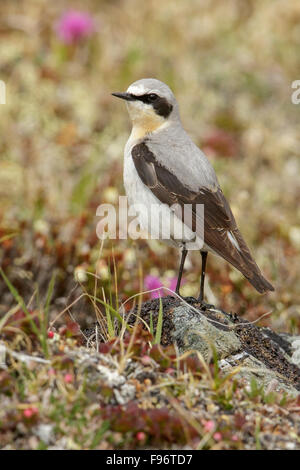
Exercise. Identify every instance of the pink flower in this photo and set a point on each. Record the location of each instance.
(29, 412)
(74, 26)
(209, 426)
(173, 283)
(217, 436)
(141, 436)
(153, 282)
(146, 360)
(50, 334)
(68, 378)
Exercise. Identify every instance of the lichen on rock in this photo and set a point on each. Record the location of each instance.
(259, 353)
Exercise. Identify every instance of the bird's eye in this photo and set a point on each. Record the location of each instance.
(152, 97)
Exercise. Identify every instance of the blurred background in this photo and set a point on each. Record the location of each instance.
(231, 65)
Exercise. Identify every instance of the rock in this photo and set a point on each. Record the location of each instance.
(295, 346)
(194, 331)
(45, 432)
(102, 370)
(271, 359)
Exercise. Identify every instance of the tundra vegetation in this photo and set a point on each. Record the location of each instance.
(231, 65)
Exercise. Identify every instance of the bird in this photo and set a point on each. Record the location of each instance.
(164, 168)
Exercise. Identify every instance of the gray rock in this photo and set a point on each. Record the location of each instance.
(45, 433)
(259, 353)
(295, 345)
(196, 332)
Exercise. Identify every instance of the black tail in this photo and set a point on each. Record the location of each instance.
(249, 267)
(259, 282)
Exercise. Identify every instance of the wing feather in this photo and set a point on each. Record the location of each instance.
(221, 233)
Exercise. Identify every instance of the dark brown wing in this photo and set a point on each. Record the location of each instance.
(220, 229)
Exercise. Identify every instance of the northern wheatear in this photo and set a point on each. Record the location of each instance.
(163, 166)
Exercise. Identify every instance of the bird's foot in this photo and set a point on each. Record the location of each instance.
(205, 306)
(189, 300)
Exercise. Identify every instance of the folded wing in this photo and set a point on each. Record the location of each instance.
(221, 233)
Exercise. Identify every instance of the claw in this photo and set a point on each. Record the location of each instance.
(205, 306)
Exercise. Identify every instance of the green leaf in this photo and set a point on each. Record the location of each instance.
(21, 302)
(151, 324)
(8, 237)
(159, 323)
(99, 434)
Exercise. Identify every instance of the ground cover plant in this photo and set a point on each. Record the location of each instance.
(231, 66)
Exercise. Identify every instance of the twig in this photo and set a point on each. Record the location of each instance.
(21, 356)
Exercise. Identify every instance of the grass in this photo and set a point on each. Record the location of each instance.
(159, 324)
(135, 393)
(39, 332)
(62, 138)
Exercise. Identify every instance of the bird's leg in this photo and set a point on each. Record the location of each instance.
(204, 258)
(183, 256)
(204, 305)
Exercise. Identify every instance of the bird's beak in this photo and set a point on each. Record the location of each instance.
(124, 96)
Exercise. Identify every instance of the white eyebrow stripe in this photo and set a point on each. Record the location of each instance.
(138, 90)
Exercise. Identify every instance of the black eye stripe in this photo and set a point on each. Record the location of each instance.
(160, 104)
(144, 98)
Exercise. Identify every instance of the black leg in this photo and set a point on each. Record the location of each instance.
(183, 256)
(204, 258)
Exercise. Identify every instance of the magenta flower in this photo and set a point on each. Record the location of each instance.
(74, 26)
(173, 283)
(153, 282)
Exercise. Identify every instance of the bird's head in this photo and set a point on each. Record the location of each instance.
(151, 104)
